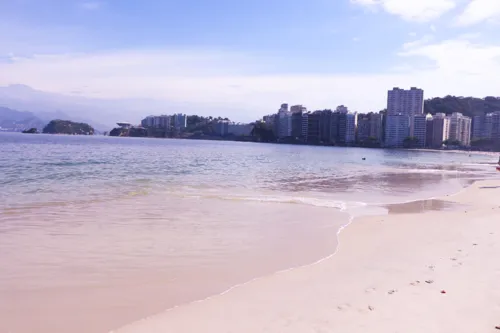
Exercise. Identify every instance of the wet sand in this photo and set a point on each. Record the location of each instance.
(436, 271)
(90, 269)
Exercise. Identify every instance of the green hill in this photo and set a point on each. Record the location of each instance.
(469, 106)
(68, 127)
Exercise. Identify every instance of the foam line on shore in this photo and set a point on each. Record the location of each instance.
(341, 228)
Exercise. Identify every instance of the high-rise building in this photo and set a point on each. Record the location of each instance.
(397, 129)
(305, 125)
(493, 125)
(179, 121)
(429, 130)
(419, 132)
(326, 121)
(402, 106)
(296, 124)
(297, 108)
(407, 102)
(460, 128)
(364, 128)
(370, 127)
(486, 126)
(313, 126)
(284, 124)
(148, 121)
(479, 127)
(350, 133)
(440, 130)
(376, 126)
(222, 128)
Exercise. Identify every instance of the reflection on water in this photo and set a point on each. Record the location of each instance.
(422, 206)
(111, 230)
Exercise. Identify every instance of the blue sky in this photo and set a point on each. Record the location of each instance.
(246, 57)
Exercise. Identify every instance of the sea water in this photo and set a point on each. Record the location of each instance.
(98, 232)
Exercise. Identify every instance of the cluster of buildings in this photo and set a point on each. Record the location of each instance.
(226, 127)
(486, 126)
(176, 121)
(404, 121)
(326, 126)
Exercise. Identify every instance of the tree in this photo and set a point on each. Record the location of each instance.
(452, 143)
(410, 142)
(262, 132)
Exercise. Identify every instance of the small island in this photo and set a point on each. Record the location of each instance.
(68, 127)
(32, 130)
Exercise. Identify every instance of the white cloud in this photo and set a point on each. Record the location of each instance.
(478, 11)
(91, 5)
(411, 10)
(458, 56)
(223, 83)
(422, 41)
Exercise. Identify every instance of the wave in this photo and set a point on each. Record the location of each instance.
(438, 171)
(316, 202)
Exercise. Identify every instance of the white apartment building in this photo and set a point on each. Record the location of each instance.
(351, 124)
(460, 128)
(239, 129)
(402, 106)
(397, 128)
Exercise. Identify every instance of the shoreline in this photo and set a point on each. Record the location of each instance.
(302, 297)
(352, 219)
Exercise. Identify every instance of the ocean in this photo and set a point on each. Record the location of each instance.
(98, 232)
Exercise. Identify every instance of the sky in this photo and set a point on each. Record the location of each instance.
(242, 59)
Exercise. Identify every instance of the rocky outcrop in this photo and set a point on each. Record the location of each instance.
(32, 130)
(135, 132)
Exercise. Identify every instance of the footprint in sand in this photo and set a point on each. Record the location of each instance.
(416, 283)
(344, 307)
(390, 292)
(370, 290)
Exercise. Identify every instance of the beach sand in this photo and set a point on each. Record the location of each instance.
(435, 271)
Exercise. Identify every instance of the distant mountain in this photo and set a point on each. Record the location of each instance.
(48, 106)
(469, 106)
(13, 120)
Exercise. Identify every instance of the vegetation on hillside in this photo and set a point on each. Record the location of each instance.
(135, 132)
(68, 127)
(469, 106)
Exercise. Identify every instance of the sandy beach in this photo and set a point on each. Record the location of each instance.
(433, 271)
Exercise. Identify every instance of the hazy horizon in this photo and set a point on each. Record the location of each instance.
(242, 60)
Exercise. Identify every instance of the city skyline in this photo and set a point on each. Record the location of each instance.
(238, 58)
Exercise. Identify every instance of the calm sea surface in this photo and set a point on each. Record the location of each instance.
(98, 232)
